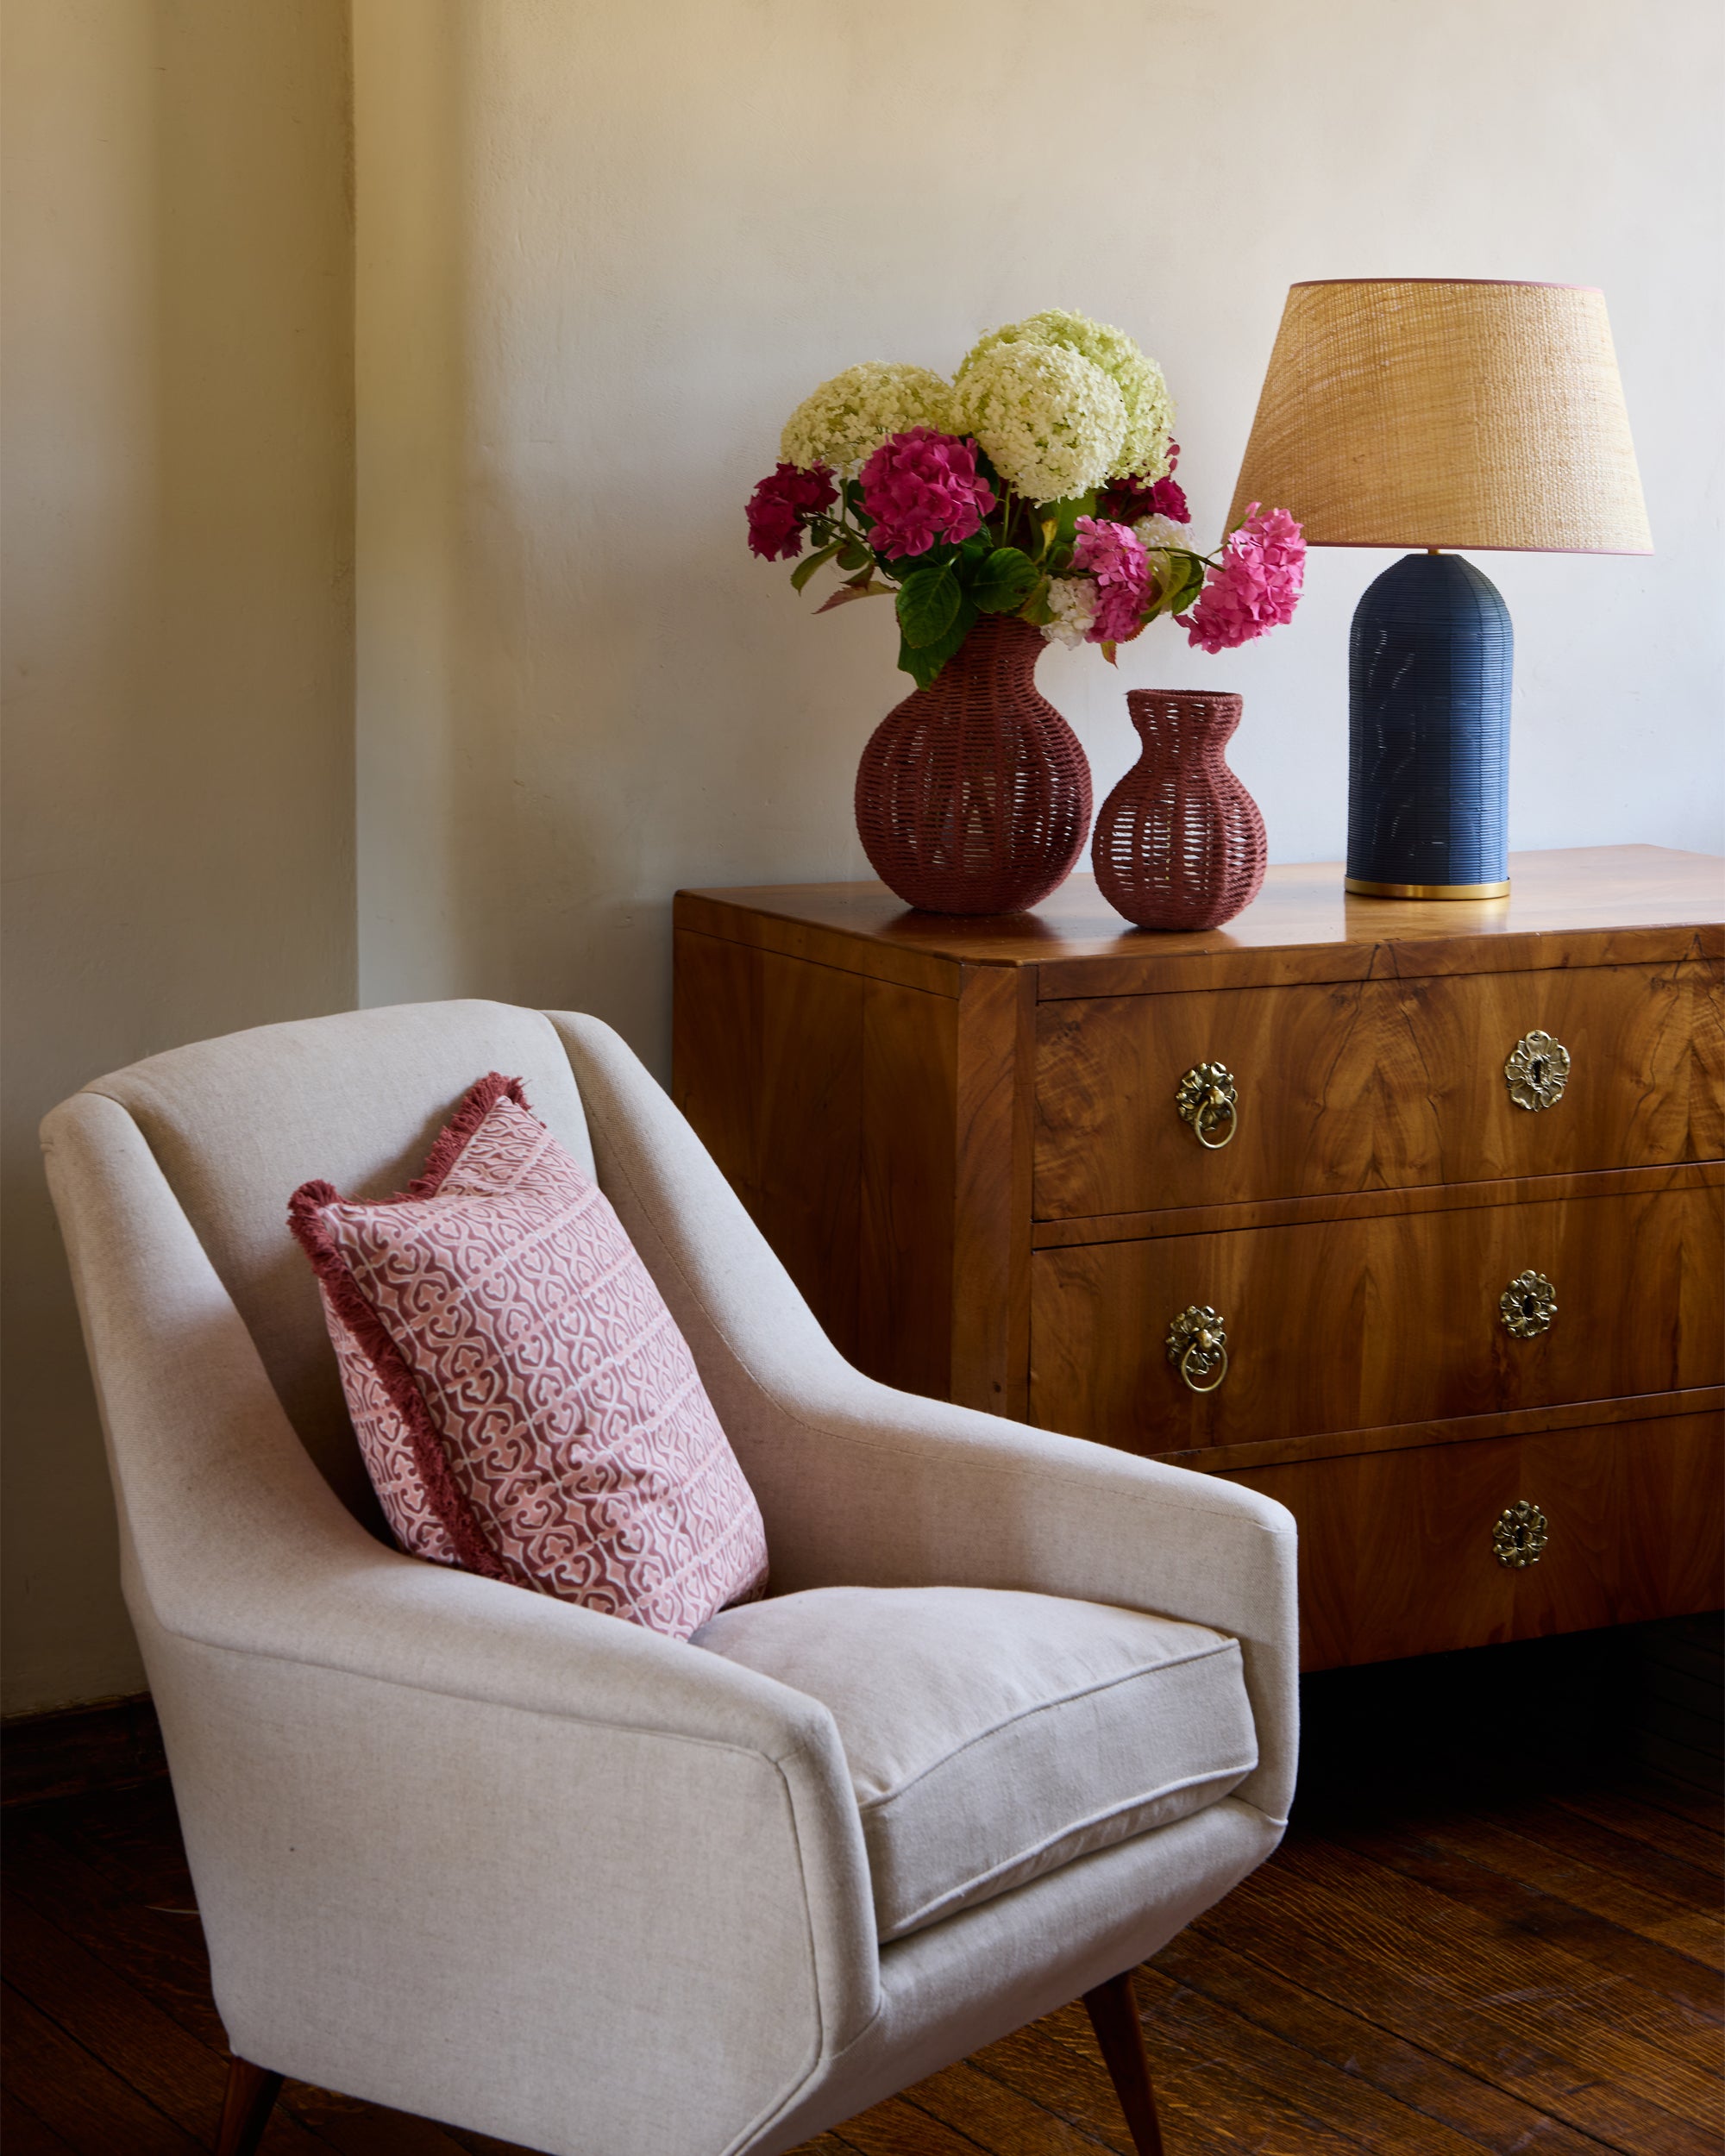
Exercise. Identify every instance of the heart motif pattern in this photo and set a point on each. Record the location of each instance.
(525, 1403)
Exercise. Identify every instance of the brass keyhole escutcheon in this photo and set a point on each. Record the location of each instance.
(1520, 1536)
(1528, 1305)
(1197, 1345)
(1208, 1098)
(1537, 1072)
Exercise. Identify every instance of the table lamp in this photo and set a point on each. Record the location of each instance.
(1439, 413)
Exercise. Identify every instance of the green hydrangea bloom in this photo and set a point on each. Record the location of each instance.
(1051, 421)
(844, 422)
(1150, 409)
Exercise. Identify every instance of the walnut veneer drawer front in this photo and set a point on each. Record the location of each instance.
(961, 1136)
(1398, 1551)
(1357, 1323)
(1369, 1085)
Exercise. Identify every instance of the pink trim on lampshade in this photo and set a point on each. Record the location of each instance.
(1530, 283)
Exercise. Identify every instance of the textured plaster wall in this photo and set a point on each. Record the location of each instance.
(599, 253)
(604, 251)
(179, 656)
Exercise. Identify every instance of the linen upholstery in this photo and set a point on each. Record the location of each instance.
(992, 1737)
(236, 1124)
(341, 1720)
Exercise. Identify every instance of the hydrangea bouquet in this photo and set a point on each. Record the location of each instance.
(1039, 482)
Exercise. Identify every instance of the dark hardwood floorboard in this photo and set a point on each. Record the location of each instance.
(1450, 1954)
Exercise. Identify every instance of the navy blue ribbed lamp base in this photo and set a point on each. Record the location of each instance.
(1429, 665)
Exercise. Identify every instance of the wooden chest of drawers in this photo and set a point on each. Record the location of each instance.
(1421, 1288)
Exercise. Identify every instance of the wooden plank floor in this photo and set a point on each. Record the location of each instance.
(1495, 1926)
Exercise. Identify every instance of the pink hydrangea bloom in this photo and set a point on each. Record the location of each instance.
(1116, 558)
(1254, 587)
(921, 486)
(777, 507)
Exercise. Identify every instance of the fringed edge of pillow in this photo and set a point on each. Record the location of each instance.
(476, 1104)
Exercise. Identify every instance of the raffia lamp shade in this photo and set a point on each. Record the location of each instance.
(1451, 412)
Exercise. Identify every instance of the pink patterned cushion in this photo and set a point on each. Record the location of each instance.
(525, 1404)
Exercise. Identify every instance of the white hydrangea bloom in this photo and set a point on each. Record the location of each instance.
(1050, 421)
(1150, 409)
(1072, 601)
(1158, 533)
(844, 422)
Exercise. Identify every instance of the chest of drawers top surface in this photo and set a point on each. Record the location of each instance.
(1580, 905)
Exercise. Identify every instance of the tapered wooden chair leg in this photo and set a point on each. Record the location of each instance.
(246, 2107)
(1113, 2016)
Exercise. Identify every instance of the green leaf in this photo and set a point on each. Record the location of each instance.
(1006, 579)
(858, 588)
(1064, 515)
(923, 663)
(805, 570)
(929, 602)
(853, 556)
(1181, 596)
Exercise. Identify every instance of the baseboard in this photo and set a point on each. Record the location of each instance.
(111, 1745)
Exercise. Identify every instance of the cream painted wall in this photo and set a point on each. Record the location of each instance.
(599, 253)
(604, 251)
(178, 653)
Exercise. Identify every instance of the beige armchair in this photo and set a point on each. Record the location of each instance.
(533, 1872)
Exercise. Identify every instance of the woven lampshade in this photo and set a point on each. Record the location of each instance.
(1408, 412)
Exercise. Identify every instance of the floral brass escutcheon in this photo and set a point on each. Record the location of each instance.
(1520, 1536)
(1208, 1096)
(1528, 1305)
(1537, 1072)
(1198, 1344)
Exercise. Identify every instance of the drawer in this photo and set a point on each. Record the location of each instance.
(1398, 1554)
(1359, 1324)
(1369, 1085)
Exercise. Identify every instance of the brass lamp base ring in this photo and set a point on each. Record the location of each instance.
(1362, 889)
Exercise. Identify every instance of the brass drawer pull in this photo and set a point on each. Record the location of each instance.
(1208, 1097)
(1198, 1344)
(1537, 1072)
(1519, 1540)
(1528, 1305)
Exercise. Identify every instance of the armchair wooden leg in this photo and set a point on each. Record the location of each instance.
(246, 2107)
(1113, 2016)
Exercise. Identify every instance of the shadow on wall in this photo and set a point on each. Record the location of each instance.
(180, 638)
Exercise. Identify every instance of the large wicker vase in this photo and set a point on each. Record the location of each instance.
(973, 795)
(1180, 842)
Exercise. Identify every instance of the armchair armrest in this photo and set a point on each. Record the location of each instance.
(863, 1485)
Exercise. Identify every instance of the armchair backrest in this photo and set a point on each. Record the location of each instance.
(237, 1124)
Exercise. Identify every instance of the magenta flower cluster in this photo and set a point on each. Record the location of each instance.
(1254, 587)
(778, 505)
(1115, 556)
(921, 487)
(1126, 500)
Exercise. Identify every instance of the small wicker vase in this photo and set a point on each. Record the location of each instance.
(973, 795)
(1180, 842)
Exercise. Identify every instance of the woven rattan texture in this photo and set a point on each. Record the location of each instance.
(1436, 412)
(973, 795)
(1429, 662)
(1180, 844)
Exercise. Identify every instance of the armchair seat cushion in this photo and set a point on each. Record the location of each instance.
(993, 1736)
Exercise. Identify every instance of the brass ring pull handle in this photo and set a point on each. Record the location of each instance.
(1528, 1305)
(1519, 1536)
(1208, 1098)
(1197, 1346)
(1537, 1072)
